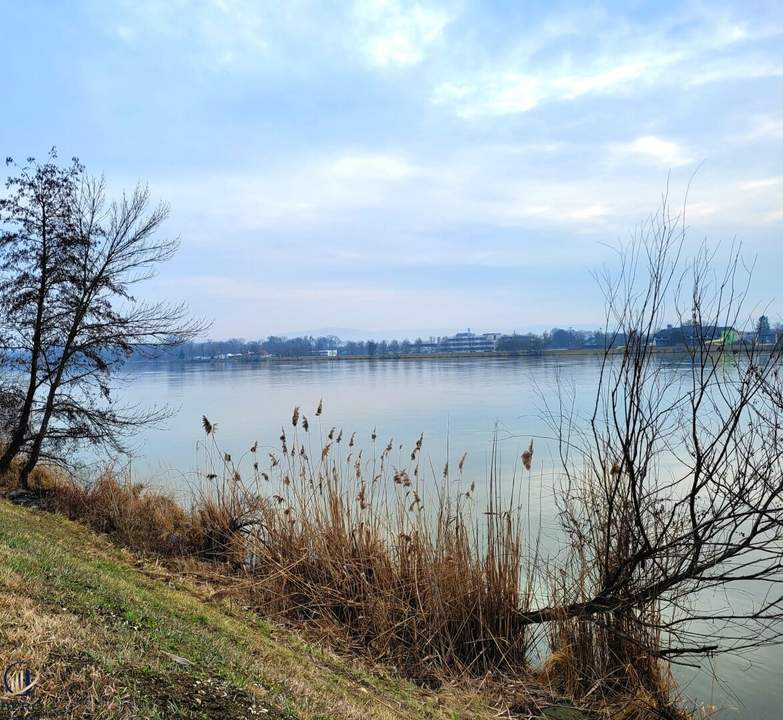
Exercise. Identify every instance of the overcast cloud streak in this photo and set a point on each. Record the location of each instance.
(385, 164)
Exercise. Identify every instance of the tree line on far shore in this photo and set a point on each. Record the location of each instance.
(309, 345)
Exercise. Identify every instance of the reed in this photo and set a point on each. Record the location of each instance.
(421, 569)
(401, 563)
(145, 520)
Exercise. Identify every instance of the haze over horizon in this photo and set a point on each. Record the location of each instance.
(391, 165)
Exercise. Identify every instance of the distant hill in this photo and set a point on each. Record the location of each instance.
(393, 334)
(355, 334)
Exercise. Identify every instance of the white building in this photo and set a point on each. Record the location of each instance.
(470, 342)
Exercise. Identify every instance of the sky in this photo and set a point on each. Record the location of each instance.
(401, 168)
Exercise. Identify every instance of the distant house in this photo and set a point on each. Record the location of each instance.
(470, 342)
(695, 335)
(331, 352)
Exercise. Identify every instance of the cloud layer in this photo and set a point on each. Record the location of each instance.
(390, 164)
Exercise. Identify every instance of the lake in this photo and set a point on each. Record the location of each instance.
(458, 404)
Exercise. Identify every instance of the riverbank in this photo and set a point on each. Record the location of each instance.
(107, 634)
(161, 616)
(478, 356)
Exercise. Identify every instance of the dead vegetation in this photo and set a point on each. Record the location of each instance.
(428, 573)
(107, 635)
(408, 571)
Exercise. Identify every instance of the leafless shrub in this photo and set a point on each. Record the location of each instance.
(674, 491)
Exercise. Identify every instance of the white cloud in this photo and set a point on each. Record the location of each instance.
(761, 184)
(369, 167)
(510, 93)
(573, 209)
(763, 128)
(613, 56)
(333, 187)
(214, 34)
(398, 34)
(126, 33)
(735, 69)
(298, 36)
(662, 151)
(506, 94)
(595, 211)
(613, 78)
(419, 209)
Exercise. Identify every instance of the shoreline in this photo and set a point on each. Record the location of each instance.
(565, 352)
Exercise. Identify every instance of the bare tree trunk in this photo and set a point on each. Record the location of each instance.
(32, 456)
(18, 437)
(41, 433)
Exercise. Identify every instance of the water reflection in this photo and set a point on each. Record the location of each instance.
(457, 404)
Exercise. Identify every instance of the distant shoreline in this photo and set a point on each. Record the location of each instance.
(564, 352)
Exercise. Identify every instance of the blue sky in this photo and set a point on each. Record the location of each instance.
(404, 167)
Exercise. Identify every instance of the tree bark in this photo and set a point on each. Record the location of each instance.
(17, 439)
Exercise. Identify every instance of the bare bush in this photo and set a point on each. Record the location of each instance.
(672, 498)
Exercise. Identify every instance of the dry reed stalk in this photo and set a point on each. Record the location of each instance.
(408, 571)
(411, 574)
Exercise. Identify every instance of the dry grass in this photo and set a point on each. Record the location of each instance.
(147, 521)
(113, 638)
(39, 478)
(46, 642)
(607, 667)
(405, 569)
(608, 658)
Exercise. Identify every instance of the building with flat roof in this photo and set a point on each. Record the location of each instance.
(470, 342)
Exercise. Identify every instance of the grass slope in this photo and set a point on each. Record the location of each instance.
(110, 637)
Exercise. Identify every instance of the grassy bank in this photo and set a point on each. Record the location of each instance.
(361, 555)
(110, 636)
(378, 557)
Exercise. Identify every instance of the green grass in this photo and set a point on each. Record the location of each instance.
(112, 637)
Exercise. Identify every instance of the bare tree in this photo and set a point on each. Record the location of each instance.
(71, 260)
(673, 494)
(34, 218)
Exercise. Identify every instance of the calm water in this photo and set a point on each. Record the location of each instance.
(457, 404)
